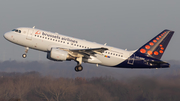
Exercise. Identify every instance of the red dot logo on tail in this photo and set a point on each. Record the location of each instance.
(150, 52)
(142, 50)
(154, 41)
(151, 43)
(147, 47)
(156, 53)
(161, 51)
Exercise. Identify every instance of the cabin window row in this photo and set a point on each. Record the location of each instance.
(62, 42)
(114, 54)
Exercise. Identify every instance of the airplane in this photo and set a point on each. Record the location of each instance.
(64, 48)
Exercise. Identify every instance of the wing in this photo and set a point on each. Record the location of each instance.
(85, 52)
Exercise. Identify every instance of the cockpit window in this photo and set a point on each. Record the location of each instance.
(16, 30)
(13, 29)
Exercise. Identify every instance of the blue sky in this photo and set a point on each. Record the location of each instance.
(126, 24)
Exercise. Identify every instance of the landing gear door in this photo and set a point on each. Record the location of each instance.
(29, 34)
(131, 59)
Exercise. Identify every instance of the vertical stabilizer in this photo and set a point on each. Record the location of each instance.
(156, 46)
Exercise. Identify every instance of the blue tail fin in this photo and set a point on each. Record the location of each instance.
(156, 46)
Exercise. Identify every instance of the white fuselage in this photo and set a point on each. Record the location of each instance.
(44, 41)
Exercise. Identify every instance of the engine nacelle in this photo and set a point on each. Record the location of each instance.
(57, 55)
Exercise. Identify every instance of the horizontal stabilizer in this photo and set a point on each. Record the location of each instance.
(157, 62)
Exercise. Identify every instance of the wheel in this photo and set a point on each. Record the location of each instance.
(24, 55)
(78, 68)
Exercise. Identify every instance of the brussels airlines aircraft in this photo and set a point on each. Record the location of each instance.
(63, 48)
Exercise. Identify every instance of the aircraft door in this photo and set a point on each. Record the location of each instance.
(29, 34)
(131, 59)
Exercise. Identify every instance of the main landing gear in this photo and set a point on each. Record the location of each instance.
(78, 68)
(26, 51)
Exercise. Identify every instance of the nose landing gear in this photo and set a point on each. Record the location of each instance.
(26, 51)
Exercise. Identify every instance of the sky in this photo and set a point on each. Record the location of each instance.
(125, 24)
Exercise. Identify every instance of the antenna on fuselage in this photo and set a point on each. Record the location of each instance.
(33, 27)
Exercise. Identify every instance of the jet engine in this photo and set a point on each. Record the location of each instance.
(58, 55)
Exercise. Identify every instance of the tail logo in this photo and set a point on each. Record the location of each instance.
(148, 48)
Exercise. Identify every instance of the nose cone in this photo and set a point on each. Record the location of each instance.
(7, 36)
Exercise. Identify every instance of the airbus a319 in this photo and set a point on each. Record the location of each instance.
(64, 48)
